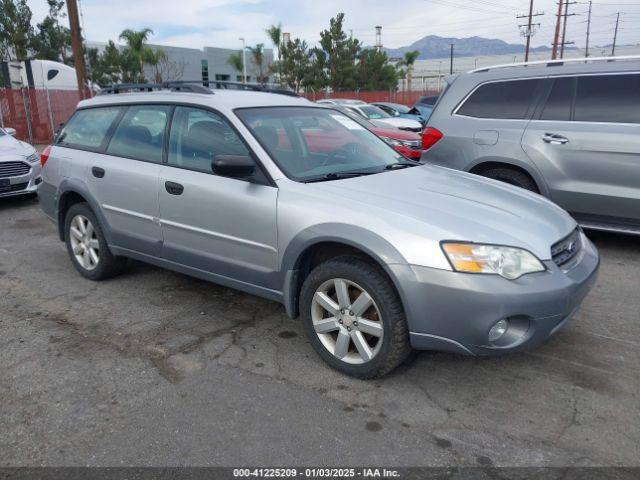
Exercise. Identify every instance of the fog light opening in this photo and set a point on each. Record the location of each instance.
(498, 330)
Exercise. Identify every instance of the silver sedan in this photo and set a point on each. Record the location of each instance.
(19, 165)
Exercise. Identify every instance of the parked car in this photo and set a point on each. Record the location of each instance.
(375, 253)
(402, 111)
(424, 111)
(380, 117)
(19, 165)
(569, 130)
(428, 100)
(341, 101)
(407, 143)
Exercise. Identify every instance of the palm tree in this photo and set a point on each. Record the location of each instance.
(136, 40)
(257, 57)
(274, 32)
(235, 60)
(409, 60)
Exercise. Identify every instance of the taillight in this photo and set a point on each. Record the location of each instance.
(430, 136)
(44, 156)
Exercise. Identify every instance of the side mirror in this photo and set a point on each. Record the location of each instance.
(234, 166)
(10, 131)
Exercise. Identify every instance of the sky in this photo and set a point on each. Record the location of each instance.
(220, 23)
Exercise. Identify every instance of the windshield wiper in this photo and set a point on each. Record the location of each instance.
(338, 176)
(401, 164)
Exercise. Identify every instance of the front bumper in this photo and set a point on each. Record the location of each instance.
(453, 311)
(23, 184)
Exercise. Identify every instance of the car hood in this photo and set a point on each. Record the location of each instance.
(446, 204)
(398, 122)
(10, 148)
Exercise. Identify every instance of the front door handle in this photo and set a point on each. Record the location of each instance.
(555, 139)
(174, 188)
(97, 172)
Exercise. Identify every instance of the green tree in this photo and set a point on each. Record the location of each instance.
(375, 72)
(341, 52)
(16, 33)
(52, 40)
(274, 32)
(137, 53)
(236, 61)
(408, 61)
(106, 67)
(294, 63)
(257, 58)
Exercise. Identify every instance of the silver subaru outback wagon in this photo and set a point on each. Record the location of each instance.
(296, 202)
(569, 130)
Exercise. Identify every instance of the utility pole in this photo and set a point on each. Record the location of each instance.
(451, 61)
(586, 48)
(564, 28)
(76, 46)
(556, 35)
(615, 36)
(529, 28)
(244, 60)
(379, 38)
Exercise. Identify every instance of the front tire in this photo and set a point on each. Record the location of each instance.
(353, 317)
(87, 246)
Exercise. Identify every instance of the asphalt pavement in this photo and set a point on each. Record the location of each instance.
(157, 368)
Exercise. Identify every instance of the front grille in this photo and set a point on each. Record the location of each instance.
(411, 129)
(566, 249)
(13, 169)
(14, 188)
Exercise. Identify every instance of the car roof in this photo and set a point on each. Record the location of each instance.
(221, 99)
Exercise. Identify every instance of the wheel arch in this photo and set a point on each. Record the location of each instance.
(309, 248)
(71, 193)
(487, 163)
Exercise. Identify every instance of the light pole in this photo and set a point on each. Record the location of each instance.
(244, 61)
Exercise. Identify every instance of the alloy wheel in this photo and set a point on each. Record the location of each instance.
(84, 242)
(347, 321)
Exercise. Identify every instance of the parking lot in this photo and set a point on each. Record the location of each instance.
(156, 368)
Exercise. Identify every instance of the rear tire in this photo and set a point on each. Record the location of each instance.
(87, 246)
(363, 332)
(512, 177)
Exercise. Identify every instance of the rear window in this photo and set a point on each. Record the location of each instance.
(501, 100)
(140, 134)
(608, 98)
(88, 129)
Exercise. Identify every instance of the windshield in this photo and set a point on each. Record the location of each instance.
(310, 143)
(373, 113)
(400, 108)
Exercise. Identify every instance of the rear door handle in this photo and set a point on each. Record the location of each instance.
(97, 172)
(555, 139)
(173, 188)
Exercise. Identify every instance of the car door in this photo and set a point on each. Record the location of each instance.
(124, 179)
(586, 142)
(224, 226)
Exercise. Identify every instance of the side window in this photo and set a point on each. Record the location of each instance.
(608, 98)
(197, 136)
(502, 100)
(140, 134)
(558, 106)
(88, 129)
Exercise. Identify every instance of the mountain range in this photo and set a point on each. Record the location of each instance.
(433, 46)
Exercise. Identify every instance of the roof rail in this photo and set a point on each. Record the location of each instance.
(255, 87)
(191, 87)
(557, 62)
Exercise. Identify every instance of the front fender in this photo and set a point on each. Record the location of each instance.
(370, 243)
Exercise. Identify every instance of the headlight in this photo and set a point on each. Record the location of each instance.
(392, 141)
(33, 158)
(508, 262)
